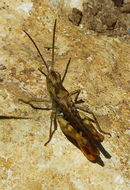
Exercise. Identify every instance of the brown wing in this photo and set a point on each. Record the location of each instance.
(89, 150)
(85, 151)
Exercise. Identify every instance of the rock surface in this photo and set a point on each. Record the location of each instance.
(103, 16)
(100, 68)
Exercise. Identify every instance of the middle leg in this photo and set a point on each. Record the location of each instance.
(51, 133)
(34, 106)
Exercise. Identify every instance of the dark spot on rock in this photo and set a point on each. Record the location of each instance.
(75, 17)
(118, 3)
(126, 8)
(2, 67)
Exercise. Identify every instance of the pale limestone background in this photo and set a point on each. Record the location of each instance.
(100, 68)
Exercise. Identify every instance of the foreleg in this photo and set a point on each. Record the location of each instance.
(76, 92)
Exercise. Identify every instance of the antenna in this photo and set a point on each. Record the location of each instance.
(53, 43)
(37, 50)
(66, 69)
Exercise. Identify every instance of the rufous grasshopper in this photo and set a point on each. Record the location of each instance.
(78, 128)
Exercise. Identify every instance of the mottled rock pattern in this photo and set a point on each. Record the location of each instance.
(104, 17)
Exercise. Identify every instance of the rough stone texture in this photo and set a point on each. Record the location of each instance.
(100, 68)
(118, 3)
(104, 17)
(75, 17)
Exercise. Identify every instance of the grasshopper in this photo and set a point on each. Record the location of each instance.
(77, 128)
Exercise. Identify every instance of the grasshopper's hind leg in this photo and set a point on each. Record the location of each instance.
(51, 133)
(93, 120)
